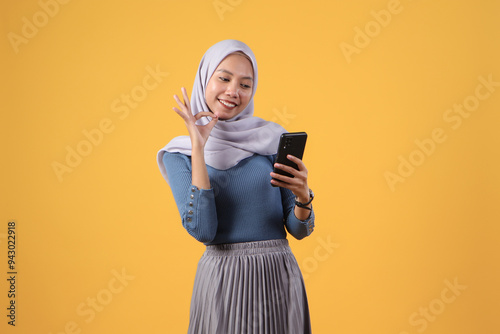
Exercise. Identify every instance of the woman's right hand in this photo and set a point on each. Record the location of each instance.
(198, 133)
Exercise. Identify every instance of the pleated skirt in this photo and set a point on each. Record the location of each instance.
(252, 287)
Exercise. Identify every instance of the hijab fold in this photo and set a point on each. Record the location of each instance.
(234, 139)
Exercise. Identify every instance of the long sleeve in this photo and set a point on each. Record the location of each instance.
(196, 206)
(296, 227)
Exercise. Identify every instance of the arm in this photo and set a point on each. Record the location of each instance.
(196, 206)
(199, 135)
(298, 228)
(301, 222)
(194, 183)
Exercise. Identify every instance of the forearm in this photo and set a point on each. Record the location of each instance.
(199, 173)
(299, 221)
(199, 135)
(298, 227)
(196, 206)
(302, 213)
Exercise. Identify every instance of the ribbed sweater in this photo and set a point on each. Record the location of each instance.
(240, 206)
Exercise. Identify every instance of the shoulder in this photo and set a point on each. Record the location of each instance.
(258, 158)
(175, 158)
(271, 158)
(268, 158)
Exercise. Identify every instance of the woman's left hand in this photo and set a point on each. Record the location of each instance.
(298, 183)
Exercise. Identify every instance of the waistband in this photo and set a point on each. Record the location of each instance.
(249, 248)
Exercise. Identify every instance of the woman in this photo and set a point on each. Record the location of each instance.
(247, 281)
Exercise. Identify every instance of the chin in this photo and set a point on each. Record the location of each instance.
(224, 116)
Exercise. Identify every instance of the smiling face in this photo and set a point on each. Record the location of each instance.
(229, 90)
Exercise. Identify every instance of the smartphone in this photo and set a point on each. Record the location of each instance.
(292, 143)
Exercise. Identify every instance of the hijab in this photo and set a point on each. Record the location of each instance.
(234, 139)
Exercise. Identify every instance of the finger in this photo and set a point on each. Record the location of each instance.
(212, 122)
(287, 169)
(282, 184)
(293, 187)
(205, 113)
(284, 178)
(181, 113)
(179, 102)
(186, 97)
(298, 161)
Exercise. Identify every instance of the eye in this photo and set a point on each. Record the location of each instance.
(224, 79)
(245, 86)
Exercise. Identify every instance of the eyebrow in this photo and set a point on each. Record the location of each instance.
(226, 71)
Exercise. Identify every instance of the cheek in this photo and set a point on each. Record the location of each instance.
(246, 96)
(209, 98)
(210, 90)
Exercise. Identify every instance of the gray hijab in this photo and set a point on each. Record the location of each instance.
(234, 139)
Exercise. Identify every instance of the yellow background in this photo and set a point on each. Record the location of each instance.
(388, 253)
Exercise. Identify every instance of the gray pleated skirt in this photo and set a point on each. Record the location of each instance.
(252, 287)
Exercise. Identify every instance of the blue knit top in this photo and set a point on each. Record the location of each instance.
(240, 206)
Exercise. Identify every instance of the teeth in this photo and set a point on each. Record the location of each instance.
(230, 105)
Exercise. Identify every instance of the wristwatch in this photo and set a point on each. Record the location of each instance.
(305, 205)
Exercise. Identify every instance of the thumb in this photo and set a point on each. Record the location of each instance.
(213, 121)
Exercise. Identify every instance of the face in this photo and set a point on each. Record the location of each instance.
(229, 90)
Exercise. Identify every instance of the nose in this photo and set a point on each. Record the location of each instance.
(233, 89)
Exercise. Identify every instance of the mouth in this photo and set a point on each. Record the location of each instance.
(227, 104)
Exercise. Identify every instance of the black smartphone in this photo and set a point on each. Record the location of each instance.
(292, 143)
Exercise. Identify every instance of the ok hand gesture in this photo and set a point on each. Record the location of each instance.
(198, 133)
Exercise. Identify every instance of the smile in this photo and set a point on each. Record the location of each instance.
(227, 104)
